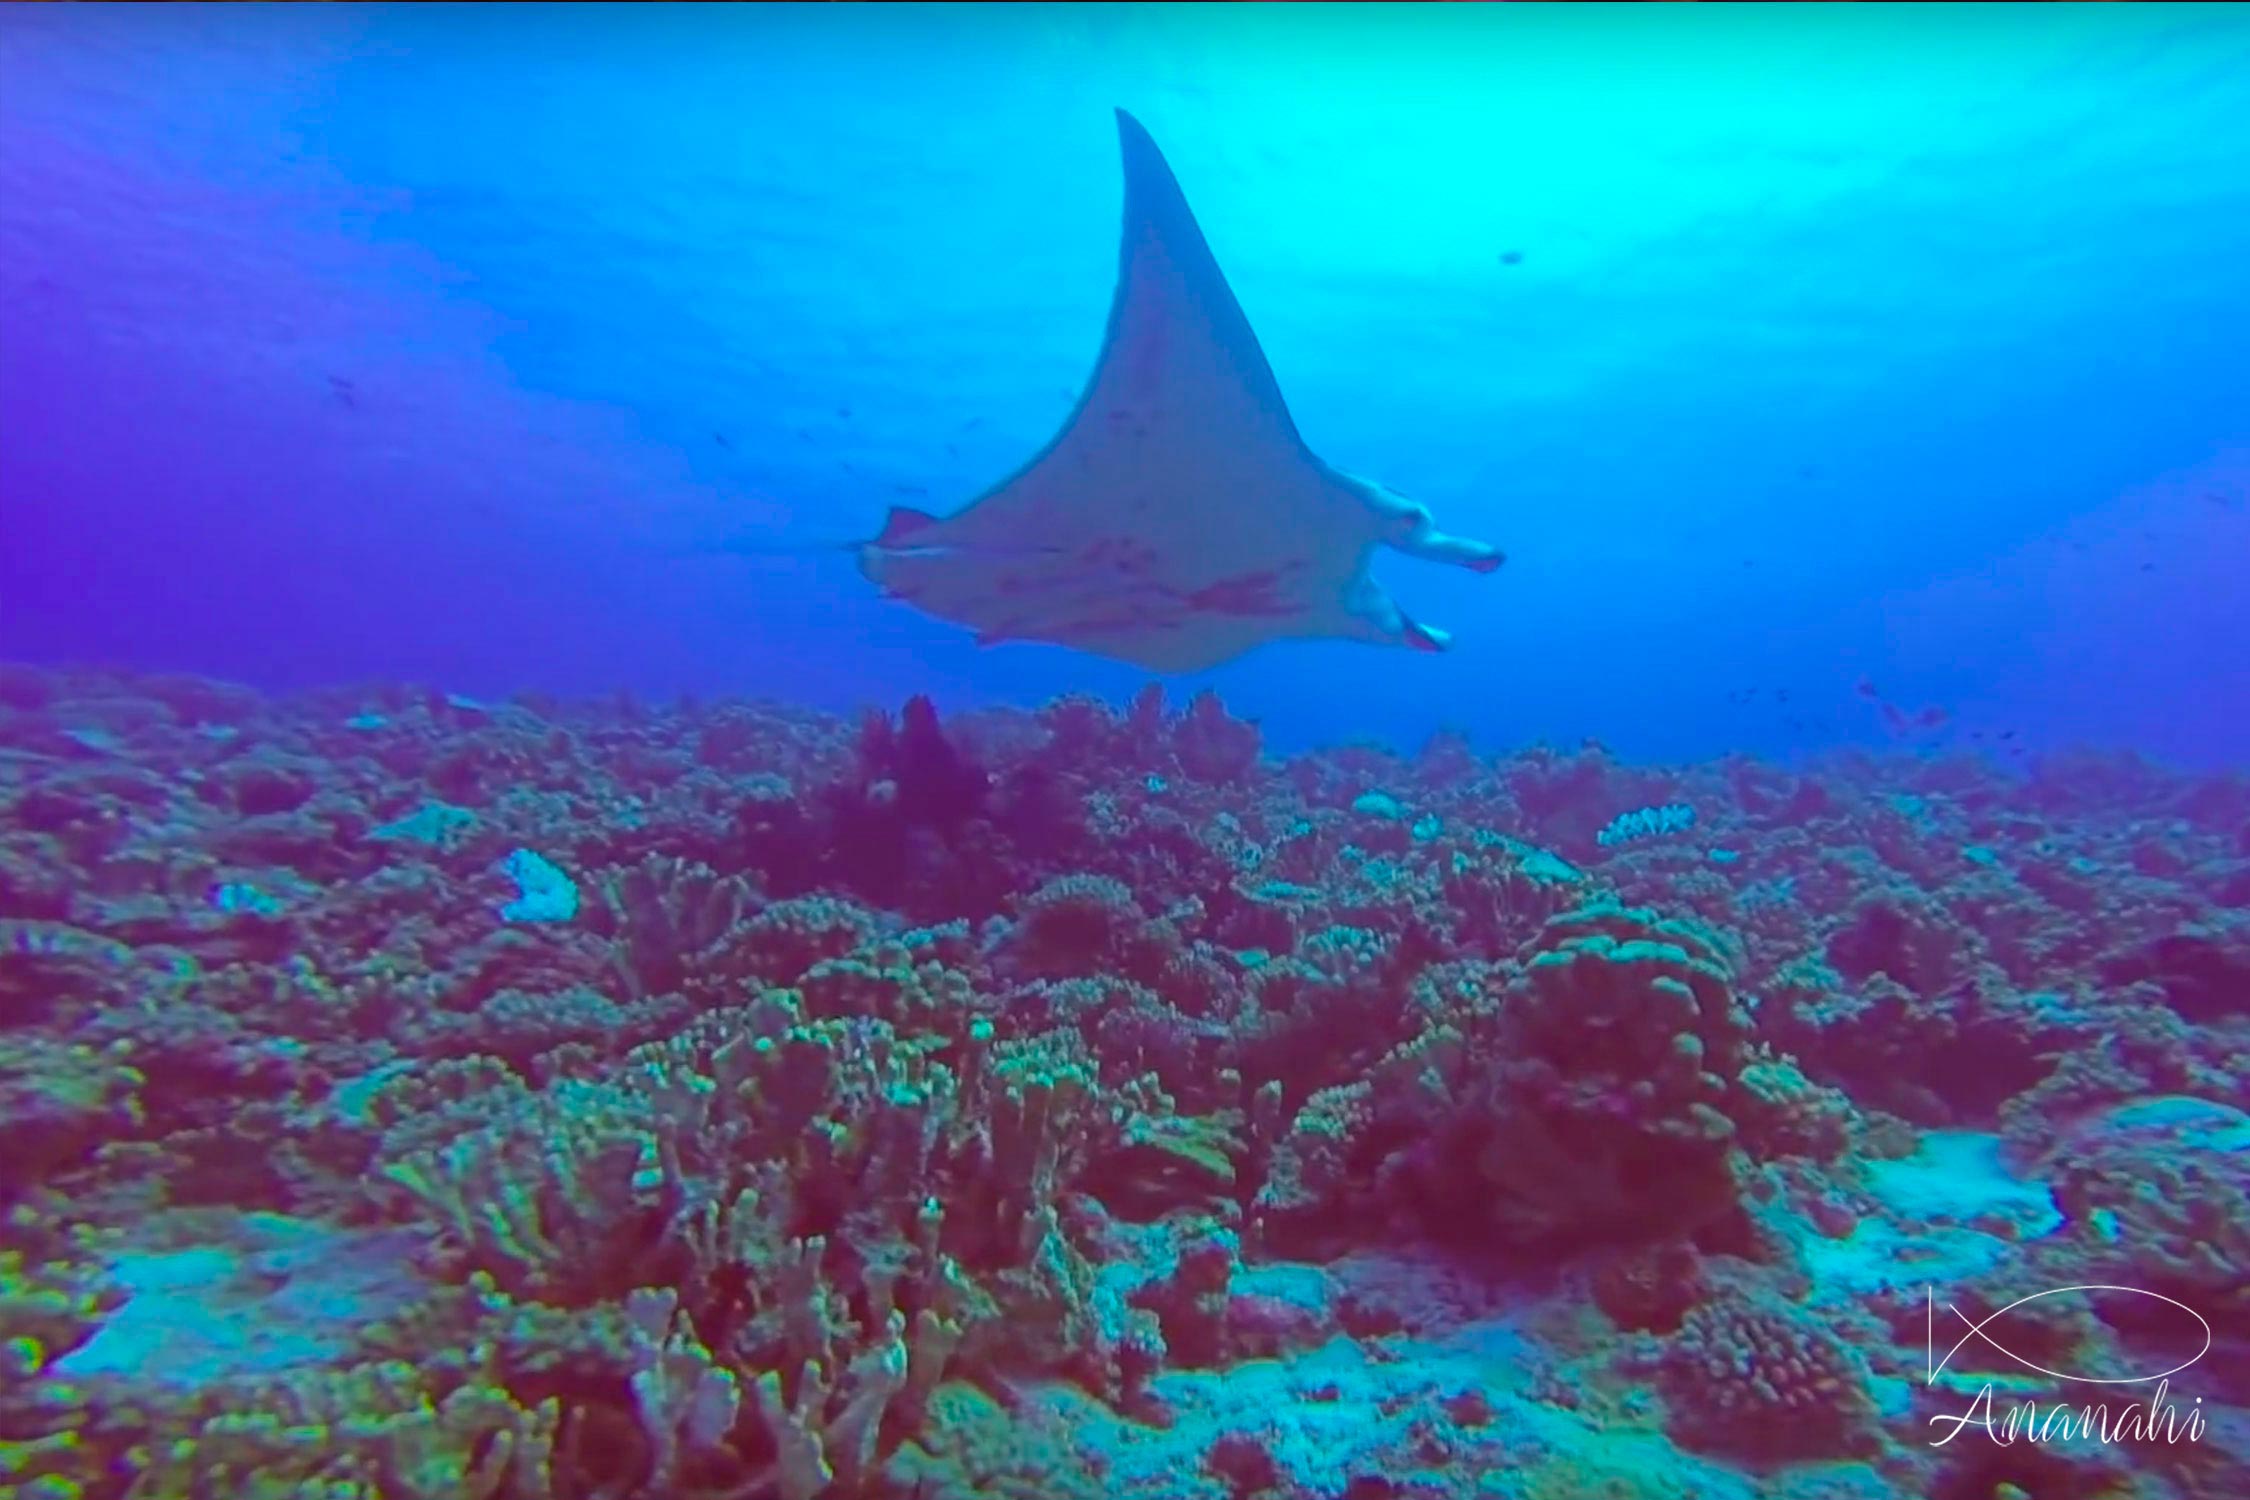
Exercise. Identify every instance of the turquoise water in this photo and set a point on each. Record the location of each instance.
(1778, 347)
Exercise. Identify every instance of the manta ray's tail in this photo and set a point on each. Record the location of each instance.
(902, 531)
(901, 522)
(763, 546)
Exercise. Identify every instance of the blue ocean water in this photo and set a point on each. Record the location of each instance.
(1783, 349)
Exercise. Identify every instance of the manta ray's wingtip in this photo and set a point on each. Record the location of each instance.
(1135, 141)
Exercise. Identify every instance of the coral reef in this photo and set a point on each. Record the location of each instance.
(411, 1096)
(1758, 1378)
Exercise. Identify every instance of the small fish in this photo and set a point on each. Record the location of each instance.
(344, 391)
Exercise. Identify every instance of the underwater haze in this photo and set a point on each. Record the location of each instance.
(1125, 753)
(1777, 346)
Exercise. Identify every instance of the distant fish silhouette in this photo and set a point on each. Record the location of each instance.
(1177, 520)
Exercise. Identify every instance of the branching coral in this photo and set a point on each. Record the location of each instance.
(1075, 925)
(832, 1213)
(53, 1294)
(660, 913)
(562, 1197)
(780, 942)
(370, 1432)
(886, 981)
(1303, 1206)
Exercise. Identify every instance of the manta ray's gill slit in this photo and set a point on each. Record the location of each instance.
(1118, 622)
(1123, 577)
(1245, 594)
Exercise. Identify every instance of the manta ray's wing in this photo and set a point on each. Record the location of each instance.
(1177, 520)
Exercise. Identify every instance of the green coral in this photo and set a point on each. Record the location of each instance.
(888, 982)
(53, 1290)
(662, 912)
(806, 1222)
(1309, 1190)
(552, 1197)
(973, 1448)
(53, 1295)
(367, 1432)
(779, 943)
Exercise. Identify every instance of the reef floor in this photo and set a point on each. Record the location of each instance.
(404, 1096)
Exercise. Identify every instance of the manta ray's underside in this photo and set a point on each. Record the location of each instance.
(1177, 520)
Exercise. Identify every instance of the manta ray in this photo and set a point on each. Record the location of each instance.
(1177, 520)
